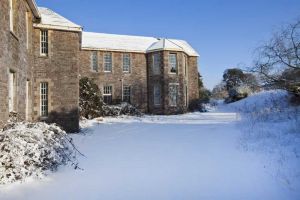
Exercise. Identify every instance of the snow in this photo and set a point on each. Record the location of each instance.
(49, 17)
(190, 156)
(114, 42)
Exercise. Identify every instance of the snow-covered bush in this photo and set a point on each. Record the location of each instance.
(32, 150)
(120, 109)
(90, 99)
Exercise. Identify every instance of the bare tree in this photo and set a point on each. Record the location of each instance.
(279, 58)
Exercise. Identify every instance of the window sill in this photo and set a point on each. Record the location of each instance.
(14, 35)
(108, 72)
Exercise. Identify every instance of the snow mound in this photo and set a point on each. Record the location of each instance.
(271, 126)
(32, 150)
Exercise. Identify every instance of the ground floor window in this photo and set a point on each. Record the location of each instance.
(44, 99)
(11, 91)
(127, 94)
(157, 95)
(173, 94)
(107, 94)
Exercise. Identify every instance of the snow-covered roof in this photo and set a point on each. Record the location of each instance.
(113, 42)
(52, 20)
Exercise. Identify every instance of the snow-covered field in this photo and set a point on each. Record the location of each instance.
(191, 156)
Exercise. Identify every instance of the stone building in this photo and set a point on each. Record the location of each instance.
(43, 55)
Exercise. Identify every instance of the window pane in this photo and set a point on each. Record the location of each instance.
(44, 99)
(157, 95)
(126, 62)
(95, 61)
(156, 63)
(107, 94)
(173, 94)
(173, 63)
(44, 42)
(127, 94)
(107, 62)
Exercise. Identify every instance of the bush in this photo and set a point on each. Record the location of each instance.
(120, 109)
(90, 99)
(32, 149)
(238, 93)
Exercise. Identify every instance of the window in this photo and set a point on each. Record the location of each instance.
(185, 60)
(126, 62)
(173, 94)
(27, 29)
(94, 59)
(186, 96)
(127, 94)
(11, 91)
(27, 99)
(107, 62)
(11, 15)
(107, 94)
(157, 95)
(156, 63)
(173, 62)
(44, 99)
(44, 42)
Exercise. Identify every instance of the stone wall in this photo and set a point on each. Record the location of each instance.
(137, 78)
(61, 70)
(15, 56)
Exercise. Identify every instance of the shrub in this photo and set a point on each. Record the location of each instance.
(90, 99)
(120, 109)
(32, 149)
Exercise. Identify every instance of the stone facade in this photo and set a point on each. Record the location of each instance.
(136, 78)
(60, 70)
(16, 59)
(24, 68)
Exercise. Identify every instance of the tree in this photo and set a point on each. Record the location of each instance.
(219, 91)
(279, 57)
(90, 99)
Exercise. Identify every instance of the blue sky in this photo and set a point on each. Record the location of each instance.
(224, 32)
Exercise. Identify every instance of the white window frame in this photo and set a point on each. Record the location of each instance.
(106, 62)
(27, 99)
(171, 103)
(94, 61)
(44, 42)
(11, 15)
(107, 91)
(157, 100)
(156, 63)
(126, 60)
(185, 65)
(44, 99)
(172, 63)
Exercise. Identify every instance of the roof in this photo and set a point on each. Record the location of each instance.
(34, 8)
(114, 42)
(52, 20)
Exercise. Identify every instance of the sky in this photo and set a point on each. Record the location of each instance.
(224, 32)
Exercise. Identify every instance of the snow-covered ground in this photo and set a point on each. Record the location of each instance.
(191, 156)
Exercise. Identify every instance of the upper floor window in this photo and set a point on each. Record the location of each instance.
(156, 63)
(11, 15)
(185, 62)
(44, 99)
(157, 94)
(173, 94)
(107, 62)
(44, 42)
(27, 28)
(126, 93)
(107, 94)
(126, 62)
(94, 59)
(173, 62)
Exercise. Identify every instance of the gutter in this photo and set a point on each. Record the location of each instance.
(34, 8)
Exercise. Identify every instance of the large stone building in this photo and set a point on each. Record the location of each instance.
(43, 55)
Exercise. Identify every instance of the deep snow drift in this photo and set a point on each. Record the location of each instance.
(191, 156)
